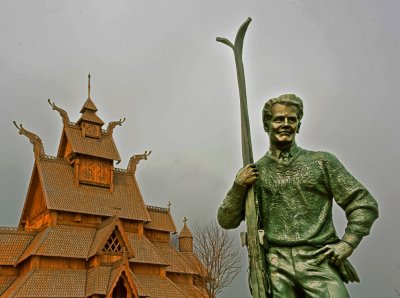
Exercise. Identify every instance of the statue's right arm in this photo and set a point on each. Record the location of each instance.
(231, 211)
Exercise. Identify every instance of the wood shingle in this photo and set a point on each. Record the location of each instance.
(161, 220)
(62, 194)
(85, 230)
(13, 243)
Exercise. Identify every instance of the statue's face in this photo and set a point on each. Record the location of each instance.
(283, 126)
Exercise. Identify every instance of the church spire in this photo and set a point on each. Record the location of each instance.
(185, 238)
(89, 85)
(89, 111)
(89, 105)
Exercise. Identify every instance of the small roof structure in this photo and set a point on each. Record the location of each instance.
(85, 230)
(161, 219)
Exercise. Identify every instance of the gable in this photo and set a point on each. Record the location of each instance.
(121, 280)
(114, 243)
(110, 238)
(62, 147)
(64, 195)
(35, 202)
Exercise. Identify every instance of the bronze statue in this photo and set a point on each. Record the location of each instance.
(294, 191)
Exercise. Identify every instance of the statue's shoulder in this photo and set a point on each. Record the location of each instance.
(263, 160)
(323, 156)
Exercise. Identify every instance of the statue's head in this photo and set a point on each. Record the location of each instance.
(281, 118)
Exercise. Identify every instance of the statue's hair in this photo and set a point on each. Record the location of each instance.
(285, 99)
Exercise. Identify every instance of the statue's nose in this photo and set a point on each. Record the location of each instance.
(286, 122)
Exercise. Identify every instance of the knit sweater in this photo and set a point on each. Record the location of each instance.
(296, 197)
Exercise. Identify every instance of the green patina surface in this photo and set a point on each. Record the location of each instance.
(296, 200)
(287, 195)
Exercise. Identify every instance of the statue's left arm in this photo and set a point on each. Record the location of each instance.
(359, 205)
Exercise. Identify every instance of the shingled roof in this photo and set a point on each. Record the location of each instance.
(88, 105)
(161, 219)
(76, 242)
(5, 282)
(104, 147)
(158, 287)
(101, 279)
(12, 244)
(185, 232)
(194, 262)
(47, 283)
(104, 232)
(62, 194)
(145, 251)
(97, 280)
(190, 291)
(73, 222)
(178, 263)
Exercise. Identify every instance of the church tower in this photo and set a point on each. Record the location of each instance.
(85, 230)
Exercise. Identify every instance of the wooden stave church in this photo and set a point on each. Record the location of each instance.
(85, 230)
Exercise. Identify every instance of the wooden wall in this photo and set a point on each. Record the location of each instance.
(148, 269)
(180, 278)
(155, 235)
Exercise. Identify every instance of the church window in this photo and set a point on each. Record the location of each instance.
(113, 244)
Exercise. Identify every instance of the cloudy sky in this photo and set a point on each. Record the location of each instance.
(157, 64)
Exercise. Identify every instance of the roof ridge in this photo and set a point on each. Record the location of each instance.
(35, 244)
(94, 247)
(109, 228)
(157, 208)
(17, 284)
(107, 222)
(117, 263)
(17, 230)
(52, 158)
(89, 105)
(122, 267)
(176, 286)
(42, 184)
(137, 283)
(187, 262)
(160, 255)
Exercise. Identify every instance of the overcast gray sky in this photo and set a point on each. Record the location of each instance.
(157, 64)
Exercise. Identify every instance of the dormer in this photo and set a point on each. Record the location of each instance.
(90, 123)
(88, 148)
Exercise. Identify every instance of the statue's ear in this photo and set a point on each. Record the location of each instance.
(298, 128)
(266, 128)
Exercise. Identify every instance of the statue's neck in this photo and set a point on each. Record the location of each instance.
(282, 147)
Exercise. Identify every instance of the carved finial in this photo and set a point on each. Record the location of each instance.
(185, 221)
(169, 205)
(113, 124)
(89, 85)
(63, 114)
(33, 138)
(134, 161)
